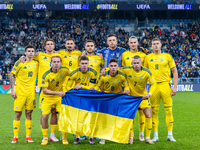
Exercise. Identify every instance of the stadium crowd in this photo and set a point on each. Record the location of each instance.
(183, 43)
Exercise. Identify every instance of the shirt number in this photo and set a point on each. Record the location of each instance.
(112, 88)
(135, 83)
(30, 74)
(70, 63)
(156, 66)
(57, 84)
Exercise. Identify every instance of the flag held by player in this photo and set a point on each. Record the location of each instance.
(104, 115)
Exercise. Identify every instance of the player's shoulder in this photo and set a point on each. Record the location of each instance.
(61, 51)
(141, 53)
(127, 67)
(92, 70)
(168, 55)
(102, 50)
(46, 74)
(126, 53)
(121, 73)
(17, 63)
(121, 48)
(147, 70)
(64, 68)
(75, 71)
(77, 52)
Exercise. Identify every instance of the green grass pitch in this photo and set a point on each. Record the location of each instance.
(186, 128)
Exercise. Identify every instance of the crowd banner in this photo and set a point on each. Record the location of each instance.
(99, 7)
(104, 115)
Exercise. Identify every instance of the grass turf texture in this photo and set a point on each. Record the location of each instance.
(186, 128)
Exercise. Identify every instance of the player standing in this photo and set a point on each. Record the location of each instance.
(24, 93)
(84, 77)
(52, 82)
(127, 60)
(161, 64)
(137, 77)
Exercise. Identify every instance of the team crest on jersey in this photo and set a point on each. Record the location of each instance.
(117, 54)
(88, 78)
(17, 107)
(161, 59)
(34, 66)
(75, 57)
(25, 67)
(117, 81)
(95, 61)
(141, 77)
(61, 75)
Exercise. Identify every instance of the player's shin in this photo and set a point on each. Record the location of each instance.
(141, 121)
(16, 125)
(28, 124)
(169, 119)
(155, 120)
(148, 127)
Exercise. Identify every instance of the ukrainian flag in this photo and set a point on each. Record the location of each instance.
(104, 115)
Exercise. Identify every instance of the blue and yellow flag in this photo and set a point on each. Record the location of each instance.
(104, 115)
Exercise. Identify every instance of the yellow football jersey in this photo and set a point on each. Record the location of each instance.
(160, 65)
(87, 80)
(111, 84)
(127, 58)
(54, 81)
(70, 60)
(137, 81)
(44, 61)
(96, 62)
(26, 74)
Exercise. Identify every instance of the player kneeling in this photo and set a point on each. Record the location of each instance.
(52, 81)
(24, 93)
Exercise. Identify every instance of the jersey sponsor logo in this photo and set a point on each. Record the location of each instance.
(130, 76)
(127, 58)
(107, 82)
(79, 78)
(25, 67)
(151, 60)
(45, 58)
(65, 56)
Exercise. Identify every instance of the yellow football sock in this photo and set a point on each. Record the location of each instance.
(155, 120)
(148, 126)
(53, 128)
(64, 135)
(16, 125)
(28, 124)
(141, 120)
(45, 133)
(131, 131)
(169, 118)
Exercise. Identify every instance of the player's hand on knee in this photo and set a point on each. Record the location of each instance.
(146, 96)
(61, 94)
(77, 87)
(103, 72)
(173, 91)
(92, 88)
(126, 92)
(22, 59)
